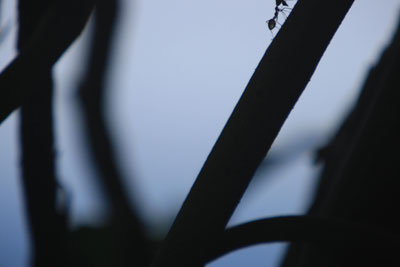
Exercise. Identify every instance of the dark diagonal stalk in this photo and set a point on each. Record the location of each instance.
(277, 83)
(307, 229)
(92, 94)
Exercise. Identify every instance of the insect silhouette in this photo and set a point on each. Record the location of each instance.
(272, 22)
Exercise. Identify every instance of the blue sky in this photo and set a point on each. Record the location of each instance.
(178, 69)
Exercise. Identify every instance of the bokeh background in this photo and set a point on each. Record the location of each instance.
(177, 71)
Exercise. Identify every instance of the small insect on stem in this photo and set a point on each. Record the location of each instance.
(272, 22)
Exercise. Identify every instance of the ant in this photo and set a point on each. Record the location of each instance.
(272, 22)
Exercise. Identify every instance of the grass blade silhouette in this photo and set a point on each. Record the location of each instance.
(270, 95)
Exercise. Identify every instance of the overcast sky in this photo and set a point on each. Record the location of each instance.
(178, 70)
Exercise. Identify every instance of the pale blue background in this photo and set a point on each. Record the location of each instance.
(178, 70)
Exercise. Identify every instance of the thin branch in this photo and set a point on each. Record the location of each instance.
(58, 28)
(272, 92)
(301, 229)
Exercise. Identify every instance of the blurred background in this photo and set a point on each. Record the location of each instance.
(178, 68)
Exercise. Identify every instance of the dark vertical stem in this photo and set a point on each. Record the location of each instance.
(48, 227)
(92, 93)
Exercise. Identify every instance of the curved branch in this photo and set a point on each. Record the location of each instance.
(129, 229)
(300, 229)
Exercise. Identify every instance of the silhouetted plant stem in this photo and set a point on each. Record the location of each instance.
(277, 83)
(58, 27)
(92, 91)
(307, 229)
(47, 224)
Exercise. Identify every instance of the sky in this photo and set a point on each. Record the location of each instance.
(178, 69)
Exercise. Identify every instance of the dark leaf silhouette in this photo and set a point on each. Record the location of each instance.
(360, 178)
